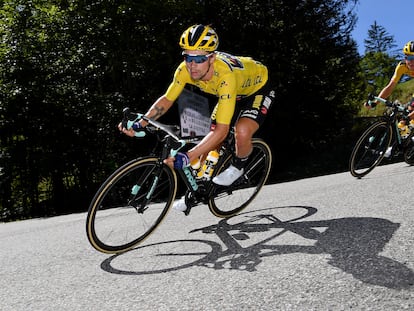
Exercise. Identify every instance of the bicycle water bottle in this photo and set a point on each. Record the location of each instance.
(209, 164)
(196, 165)
(404, 129)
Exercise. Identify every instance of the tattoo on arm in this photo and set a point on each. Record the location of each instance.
(159, 111)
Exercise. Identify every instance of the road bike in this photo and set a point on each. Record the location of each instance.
(135, 198)
(371, 147)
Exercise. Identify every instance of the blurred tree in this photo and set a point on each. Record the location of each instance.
(312, 60)
(67, 68)
(378, 64)
(379, 40)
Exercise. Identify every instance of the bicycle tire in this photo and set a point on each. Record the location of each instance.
(228, 201)
(409, 150)
(370, 149)
(130, 205)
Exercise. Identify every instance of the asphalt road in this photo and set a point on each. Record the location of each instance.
(327, 243)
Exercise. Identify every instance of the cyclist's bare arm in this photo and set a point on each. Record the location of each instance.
(210, 142)
(160, 107)
(387, 90)
(384, 94)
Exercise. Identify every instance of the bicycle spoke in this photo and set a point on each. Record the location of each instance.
(227, 201)
(130, 205)
(370, 149)
(409, 154)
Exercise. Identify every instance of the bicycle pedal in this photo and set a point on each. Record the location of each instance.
(187, 211)
(189, 207)
(190, 204)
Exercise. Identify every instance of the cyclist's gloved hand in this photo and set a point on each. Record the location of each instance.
(181, 160)
(370, 104)
(137, 127)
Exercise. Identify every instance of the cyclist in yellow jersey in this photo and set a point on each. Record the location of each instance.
(241, 87)
(233, 77)
(405, 67)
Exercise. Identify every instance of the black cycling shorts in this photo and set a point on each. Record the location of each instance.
(255, 106)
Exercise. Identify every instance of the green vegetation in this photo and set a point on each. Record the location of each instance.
(67, 69)
(404, 91)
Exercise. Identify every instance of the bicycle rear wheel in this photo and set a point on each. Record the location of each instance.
(409, 150)
(130, 204)
(370, 149)
(227, 201)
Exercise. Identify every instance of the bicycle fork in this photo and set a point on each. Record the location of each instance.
(144, 199)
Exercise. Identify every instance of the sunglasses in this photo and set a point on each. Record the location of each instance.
(198, 59)
(409, 57)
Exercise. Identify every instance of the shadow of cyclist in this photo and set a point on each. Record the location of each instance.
(353, 243)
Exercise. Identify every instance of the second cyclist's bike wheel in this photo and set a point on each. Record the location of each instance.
(370, 149)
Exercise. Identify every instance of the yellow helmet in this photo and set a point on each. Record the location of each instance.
(409, 48)
(199, 37)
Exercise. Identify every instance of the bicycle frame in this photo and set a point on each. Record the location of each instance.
(375, 142)
(392, 119)
(202, 189)
(172, 145)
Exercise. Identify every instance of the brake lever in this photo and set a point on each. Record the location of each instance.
(125, 112)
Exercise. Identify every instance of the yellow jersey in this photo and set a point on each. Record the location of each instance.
(233, 77)
(401, 70)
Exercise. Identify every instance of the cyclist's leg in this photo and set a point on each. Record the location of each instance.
(243, 133)
(253, 113)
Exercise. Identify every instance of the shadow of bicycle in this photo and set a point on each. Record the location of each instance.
(354, 245)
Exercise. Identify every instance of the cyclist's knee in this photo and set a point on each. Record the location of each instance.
(245, 128)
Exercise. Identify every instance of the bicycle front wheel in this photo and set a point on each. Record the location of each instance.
(130, 205)
(227, 201)
(370, 149)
